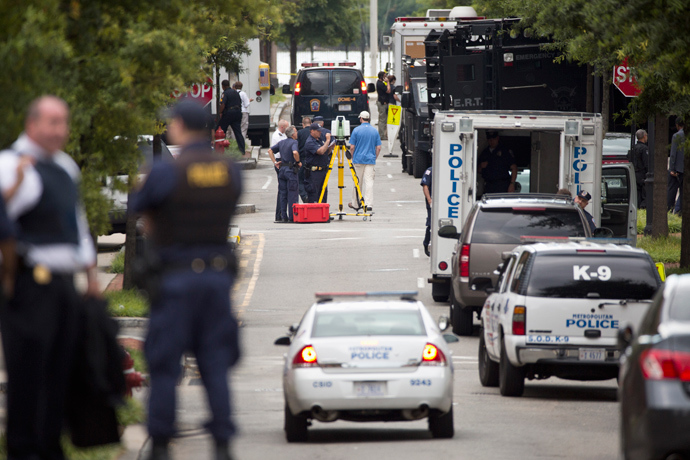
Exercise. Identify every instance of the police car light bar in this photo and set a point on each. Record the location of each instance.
(328, 64)
(330, 295)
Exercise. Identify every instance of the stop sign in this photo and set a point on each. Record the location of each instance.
(624, 80)
(202, 92)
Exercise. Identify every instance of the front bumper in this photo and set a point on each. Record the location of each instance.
(430, 386)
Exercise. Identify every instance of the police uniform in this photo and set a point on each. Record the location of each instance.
(232, 115)
(40, 322)
(382, 104)
(190, 203)
(497, 173)
(302, 137)
(6, 228)
(590, 219)
(318, 168)
(426, 180)
(288, 184)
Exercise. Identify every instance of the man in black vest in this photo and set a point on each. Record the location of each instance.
(188, 205)
(640, 161)
(231, 113)
(40, 320)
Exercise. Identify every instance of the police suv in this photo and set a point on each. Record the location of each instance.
(367, 357)
(556, 310)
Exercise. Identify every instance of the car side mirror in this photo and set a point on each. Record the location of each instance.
(448, 231)
(371, 88)
(405, 101)
(450, 338)
(443, 322)
(602, 232)
(282, 341)
(286, 89)
(293, 328)
(624, 337)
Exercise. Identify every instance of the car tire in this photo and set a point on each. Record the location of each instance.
(295, 427)
(419, 164)
(441, 425)
(462, 319)
(488, 370)
(511, 379)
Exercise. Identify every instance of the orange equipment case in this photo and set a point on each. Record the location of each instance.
(311, 212)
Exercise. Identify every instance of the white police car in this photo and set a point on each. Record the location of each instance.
(367, 357)
(556, 310)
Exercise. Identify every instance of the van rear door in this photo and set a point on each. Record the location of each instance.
(575, 298)
(619, 201)
(347, 98)
(314, 95)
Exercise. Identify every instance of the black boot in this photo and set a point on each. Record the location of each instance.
(222, 450)
(159, 451)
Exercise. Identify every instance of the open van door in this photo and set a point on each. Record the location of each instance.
(619, 200)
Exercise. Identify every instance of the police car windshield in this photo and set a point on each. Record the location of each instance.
(374, 322)
(507, 225)
(680, 307)
(586, 276)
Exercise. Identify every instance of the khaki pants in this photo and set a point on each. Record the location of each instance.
(245, 125)
(383, 120)
(365, 174)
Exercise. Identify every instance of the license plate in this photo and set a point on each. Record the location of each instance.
(592, 354)
(368, 389)
(345, 107)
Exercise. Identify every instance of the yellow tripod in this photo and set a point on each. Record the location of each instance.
(341, 154)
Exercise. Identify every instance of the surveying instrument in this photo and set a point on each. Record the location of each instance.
(341, 127)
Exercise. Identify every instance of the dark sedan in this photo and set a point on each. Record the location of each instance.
(655, 378)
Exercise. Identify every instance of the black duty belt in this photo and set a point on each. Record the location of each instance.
(235, 107)
(317, 168)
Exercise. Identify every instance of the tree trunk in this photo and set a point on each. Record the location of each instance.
(606, 100)
(685, 212)
(660, 218)
(293, 60)
(590, 90)
(130, 251)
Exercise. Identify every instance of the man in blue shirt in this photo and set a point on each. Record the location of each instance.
(288, 167)
(318, 157)
(302, 137)
(365, 147)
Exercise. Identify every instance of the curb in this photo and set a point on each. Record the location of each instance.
(131, 322)
(278, 113)
(245, 209)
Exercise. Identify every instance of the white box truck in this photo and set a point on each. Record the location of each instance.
(553, 150)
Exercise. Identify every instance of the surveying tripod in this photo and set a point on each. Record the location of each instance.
(341, 153)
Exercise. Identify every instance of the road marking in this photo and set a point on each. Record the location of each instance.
(415, 253)
(389, 270)
(340, 239)
(255, 276)
(420, 283)
(393, 190)
(390, 176)
(388, 163)
(407, 236)
(268, 182)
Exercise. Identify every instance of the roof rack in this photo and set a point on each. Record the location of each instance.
(330, 296)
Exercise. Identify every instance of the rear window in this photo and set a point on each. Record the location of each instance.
(346, 82)
(381, 322)
(314, 83)
(680, 307)
(507, 225)
(593, 276)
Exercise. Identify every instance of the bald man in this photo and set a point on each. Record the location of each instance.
(39, 321)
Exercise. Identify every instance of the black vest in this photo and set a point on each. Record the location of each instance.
(199, 210)
(54, 219)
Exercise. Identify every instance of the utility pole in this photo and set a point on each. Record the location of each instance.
(373, 35)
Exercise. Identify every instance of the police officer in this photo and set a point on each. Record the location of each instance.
(495, 162)
(325, 132)
(302, 136)
(188, 205)
(40, 320)
(383, 91)
(288, 185)
(318, 157)
(640, 161)
(231, 113)
(426, 188)
(582, 200)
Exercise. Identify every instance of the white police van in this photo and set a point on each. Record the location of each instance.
(556, 310)
(552, 150)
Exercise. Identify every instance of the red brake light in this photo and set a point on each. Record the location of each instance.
(465, 261)
(364, 87)
(432, 356)
(305, 358)
(258, 93)
(665, 364)
(298, 88)
(442, 265)
(519, 317)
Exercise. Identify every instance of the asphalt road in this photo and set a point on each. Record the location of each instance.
(284, 264)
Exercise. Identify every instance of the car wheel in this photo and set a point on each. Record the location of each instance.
(488, 370)
(441, 425)
(511, 379)
(462, 319)
(295, 427)
(419, 163)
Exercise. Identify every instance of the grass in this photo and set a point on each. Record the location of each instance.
(677, 271)
(131, 413)
(277, 97)
(666, 250)
(674, 222)
(118, 263)
(127, 302)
